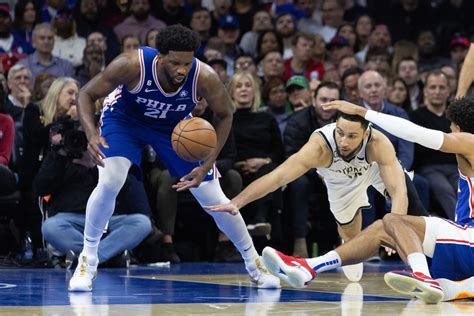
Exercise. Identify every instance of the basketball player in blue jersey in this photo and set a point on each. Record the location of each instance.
(449, 244)
(148, 93)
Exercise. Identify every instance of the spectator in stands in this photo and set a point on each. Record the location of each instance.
(139, 22)
(299, 94)
(261, 22)
(346, 62)
(259, 147)
(67, 44)
(60, 100)
(338, 46)
(7, 135)
(363, 28)
(407, 69)
(220, 67)
(93, 63)
(452, 76)
(440, 169)
(130, 43)
(245, 62)
(350, 85)
(12, 48)
(429, 54)
(378, 59)
(268, 41)
(229, 33)
(42, 83)
(285, 27)
(172, 12)
(302, 62)
(272, 65)
(311, 21)
(275, 98)
(201, 23)
(19, 82)
(50, 8)
(42, 60)
(89, 24)
(27, 15)
(408, 17)
(458, 47)
(403, 49)
(68, 182)
(332, 14)
(347, 30)
(398, 94)
(379, 37)
(299, 128)
(99, 39)
(221, 9)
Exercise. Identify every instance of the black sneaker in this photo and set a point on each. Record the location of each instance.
(226, 252)
(168, 253)
(259, 229)
(70, 262)
(121, 260)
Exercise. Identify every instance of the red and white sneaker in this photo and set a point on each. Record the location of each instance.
(294, 271)
(415, 284)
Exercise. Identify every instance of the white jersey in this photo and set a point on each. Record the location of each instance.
(347, 181)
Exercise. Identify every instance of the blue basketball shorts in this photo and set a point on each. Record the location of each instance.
(127, 138)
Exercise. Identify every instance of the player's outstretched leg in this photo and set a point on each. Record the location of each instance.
(415, 284)
(210, 193)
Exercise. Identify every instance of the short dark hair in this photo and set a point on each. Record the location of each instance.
(327, 85)
(353, 118)
(461, 112)
(407, 58)
(350, 72)
(177, 38)
(377, 51)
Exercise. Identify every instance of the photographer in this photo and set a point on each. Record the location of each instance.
(68, 176)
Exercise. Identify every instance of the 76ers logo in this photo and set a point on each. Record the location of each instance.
(183, 94)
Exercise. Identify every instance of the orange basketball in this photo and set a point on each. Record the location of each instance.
(194, 139)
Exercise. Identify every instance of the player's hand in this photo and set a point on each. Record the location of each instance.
(230, 208)
(346, 107)
(191, 180)
(94, 149)
(389, 251)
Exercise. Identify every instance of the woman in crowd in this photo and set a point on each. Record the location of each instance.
(259, 147)
(397, 93)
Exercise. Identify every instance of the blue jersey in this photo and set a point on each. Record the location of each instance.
(147, 115)
(465, 203)
(148, 102)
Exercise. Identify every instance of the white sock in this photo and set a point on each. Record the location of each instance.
(210, 193)
(418, 263)
(101, 203)
(329, 261)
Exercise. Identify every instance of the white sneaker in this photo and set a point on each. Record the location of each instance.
(457, 290)
(260, 277)
(85, 273)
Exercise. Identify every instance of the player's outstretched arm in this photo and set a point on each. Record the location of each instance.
(455, 143)
(381, 151)
(466, 77)
(122, 70)
(313, 155)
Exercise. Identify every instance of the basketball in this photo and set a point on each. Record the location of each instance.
(194, 139)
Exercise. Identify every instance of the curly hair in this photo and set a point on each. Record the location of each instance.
(177, 38)
(461, 113)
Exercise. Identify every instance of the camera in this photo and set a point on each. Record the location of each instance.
(74, 141)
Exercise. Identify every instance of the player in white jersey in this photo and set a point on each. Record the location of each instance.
(351, 156)
(449, 244)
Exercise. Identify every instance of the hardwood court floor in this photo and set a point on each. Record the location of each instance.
(206, 289)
